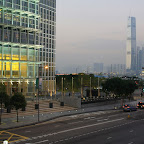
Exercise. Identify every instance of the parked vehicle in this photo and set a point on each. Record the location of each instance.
(129, 108)
(140, 105)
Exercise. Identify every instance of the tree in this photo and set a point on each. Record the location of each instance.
(119, 87)
(18, 101)
(4, 98)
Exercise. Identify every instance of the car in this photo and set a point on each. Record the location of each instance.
(140, 105)
(129, 108)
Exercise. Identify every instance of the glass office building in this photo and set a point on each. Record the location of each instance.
(47, 10)
(27, 40)
(131, 44)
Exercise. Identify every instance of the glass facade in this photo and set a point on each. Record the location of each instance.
(19, 45)
(47, 10)
(131, 44)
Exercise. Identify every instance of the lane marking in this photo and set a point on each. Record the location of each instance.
(109, 137)
(130, 143)
(27, 131)
(41, 141)
(131, 131)
(77, 128)
(75, 122)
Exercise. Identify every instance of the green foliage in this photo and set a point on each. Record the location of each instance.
(18, 101)
(119, 87)
(4, 98)
(67, 81)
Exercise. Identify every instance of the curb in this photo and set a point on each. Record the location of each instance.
(55, 117)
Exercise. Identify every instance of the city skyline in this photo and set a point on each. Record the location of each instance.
(89, 36)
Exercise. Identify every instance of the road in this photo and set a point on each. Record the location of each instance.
(110, 127)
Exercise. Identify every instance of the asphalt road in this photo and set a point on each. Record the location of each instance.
(111, 127)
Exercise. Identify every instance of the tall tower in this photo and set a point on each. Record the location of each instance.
(47, 10)
(131, 44)
(19, 45)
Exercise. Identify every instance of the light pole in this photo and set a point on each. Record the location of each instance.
(62, 88)
(62, 100)
(72, 87)
(98, 88)
(46, 67)
(81, 87)
(55, 88)
(90, 88)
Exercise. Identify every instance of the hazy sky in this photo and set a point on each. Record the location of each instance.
(91, 31)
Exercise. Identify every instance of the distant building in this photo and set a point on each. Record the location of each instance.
(98, 67)
(131, 44)
(140, 63)
(116, 69)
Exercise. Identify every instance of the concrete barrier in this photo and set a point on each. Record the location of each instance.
(72, 101)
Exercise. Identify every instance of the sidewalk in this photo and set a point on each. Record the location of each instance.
(31, 117)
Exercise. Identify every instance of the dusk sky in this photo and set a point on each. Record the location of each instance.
(90, 31)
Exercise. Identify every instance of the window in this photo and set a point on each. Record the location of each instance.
(24, 20)
(31, 38)
(31, 55)
(24, 37)
(16, 4)
(7, 17)
(25, 5)
(16, 19)
(31, 22)
(8, 3)
(1, 15)
(32, 7)
(7, 35)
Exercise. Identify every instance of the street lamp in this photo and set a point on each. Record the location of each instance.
(72, 87)
(38, 84)
(90, 88)
(62, 100)
(81, 87)
(98, 88)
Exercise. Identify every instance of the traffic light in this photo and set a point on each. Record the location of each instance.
(143, 89)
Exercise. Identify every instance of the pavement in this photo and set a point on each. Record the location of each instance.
(30, 116)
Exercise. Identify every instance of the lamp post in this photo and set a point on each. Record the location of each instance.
(90, 88)
(62, 100)
(98, 88)
(72, 87)
(55, 88)
(81, 87)
(46, 67)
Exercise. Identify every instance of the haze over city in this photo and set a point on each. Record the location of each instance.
(95, 31)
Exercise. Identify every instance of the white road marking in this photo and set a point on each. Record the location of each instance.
(82, 127)
(131, 130)
(41, 141)
(75, 122)
(109, 137)
(130, 143)
(27, 131)
(87, 118)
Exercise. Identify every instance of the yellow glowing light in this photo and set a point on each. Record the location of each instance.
(46, 67)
